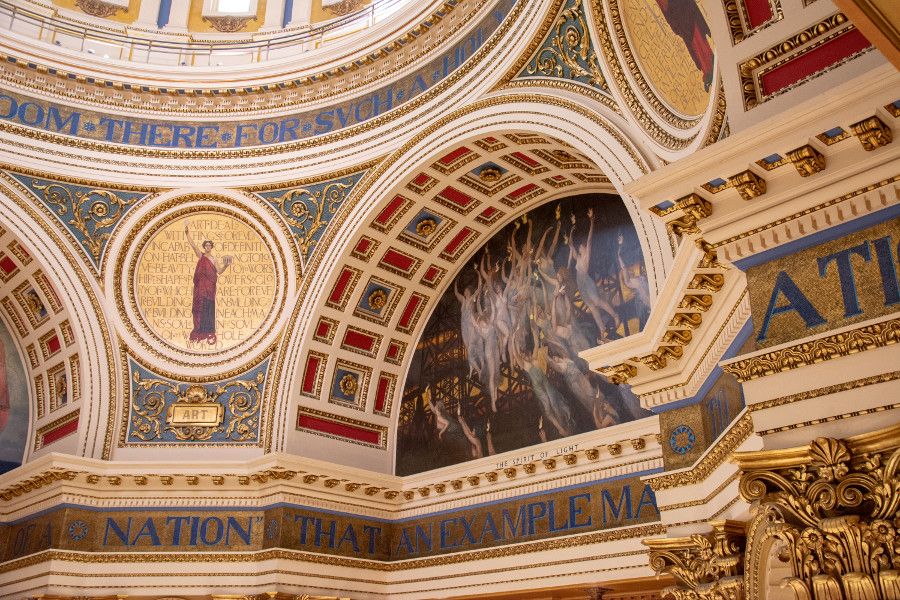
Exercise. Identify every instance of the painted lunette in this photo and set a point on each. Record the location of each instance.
(581, 509)
(57, 118)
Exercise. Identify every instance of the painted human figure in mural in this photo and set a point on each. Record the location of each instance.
(498, 366)
(206, 274)
(688, 23)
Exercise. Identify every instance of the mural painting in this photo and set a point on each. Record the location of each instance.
(497, 366)
(673, 44)
(205, 283)
(13, 404)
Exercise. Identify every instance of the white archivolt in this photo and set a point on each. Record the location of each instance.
(600, 137)
(79, 292)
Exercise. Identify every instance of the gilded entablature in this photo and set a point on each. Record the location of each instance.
(363, 71)
(164, 411)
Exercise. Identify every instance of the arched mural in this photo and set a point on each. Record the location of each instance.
(497, 366)
(13, 404)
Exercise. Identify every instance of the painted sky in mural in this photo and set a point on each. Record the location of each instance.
(497, 367)
(13, 404)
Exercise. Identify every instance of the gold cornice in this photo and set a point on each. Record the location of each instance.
(864, 443)
(807, 211)
(554, 544)
(702, 501)
(349, 69)
(739, 431)
(830, 419)
(836, 345)
(825, 391)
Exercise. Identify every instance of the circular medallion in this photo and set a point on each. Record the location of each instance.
(204, 282)
(78, 530)
(682, 439)
(673, 47)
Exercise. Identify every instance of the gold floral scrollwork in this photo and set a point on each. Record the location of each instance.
(91, 214)
(705, 567)
(98, 8)
(147, 407)
(308, 211)
(830, 513)
(568, 53)
(163, 410)
(228, 23)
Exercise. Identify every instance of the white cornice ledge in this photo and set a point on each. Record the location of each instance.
(853, 101)
(682, 377)
(680, 274)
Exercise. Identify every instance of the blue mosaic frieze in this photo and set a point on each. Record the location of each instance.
(567, 52)
(309, 209)
(89, 213)
(164, 411)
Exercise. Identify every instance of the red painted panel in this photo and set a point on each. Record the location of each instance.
(340, 286)
(522, 190)
(813, 61)
(384, 384)
(60, 432)
(398, 260)
(449, 159)
(8, 265)
(344, 430)
(458, 239)
(421, 179)
(384, 217)
(526, 159)
(53, 345)
(409, 311)
(489, 212)
(431, 273)
(363, 245)
(758, 12)
(393, 351)
(456, 197)
(360, 340)
(309, 375)
(323, 329)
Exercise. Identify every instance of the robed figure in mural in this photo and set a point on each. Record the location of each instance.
(206, 274)
(688, 23)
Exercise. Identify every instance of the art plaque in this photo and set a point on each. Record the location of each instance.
(205, 282)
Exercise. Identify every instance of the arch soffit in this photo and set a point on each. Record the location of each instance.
(595, 140)
(80, 325)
